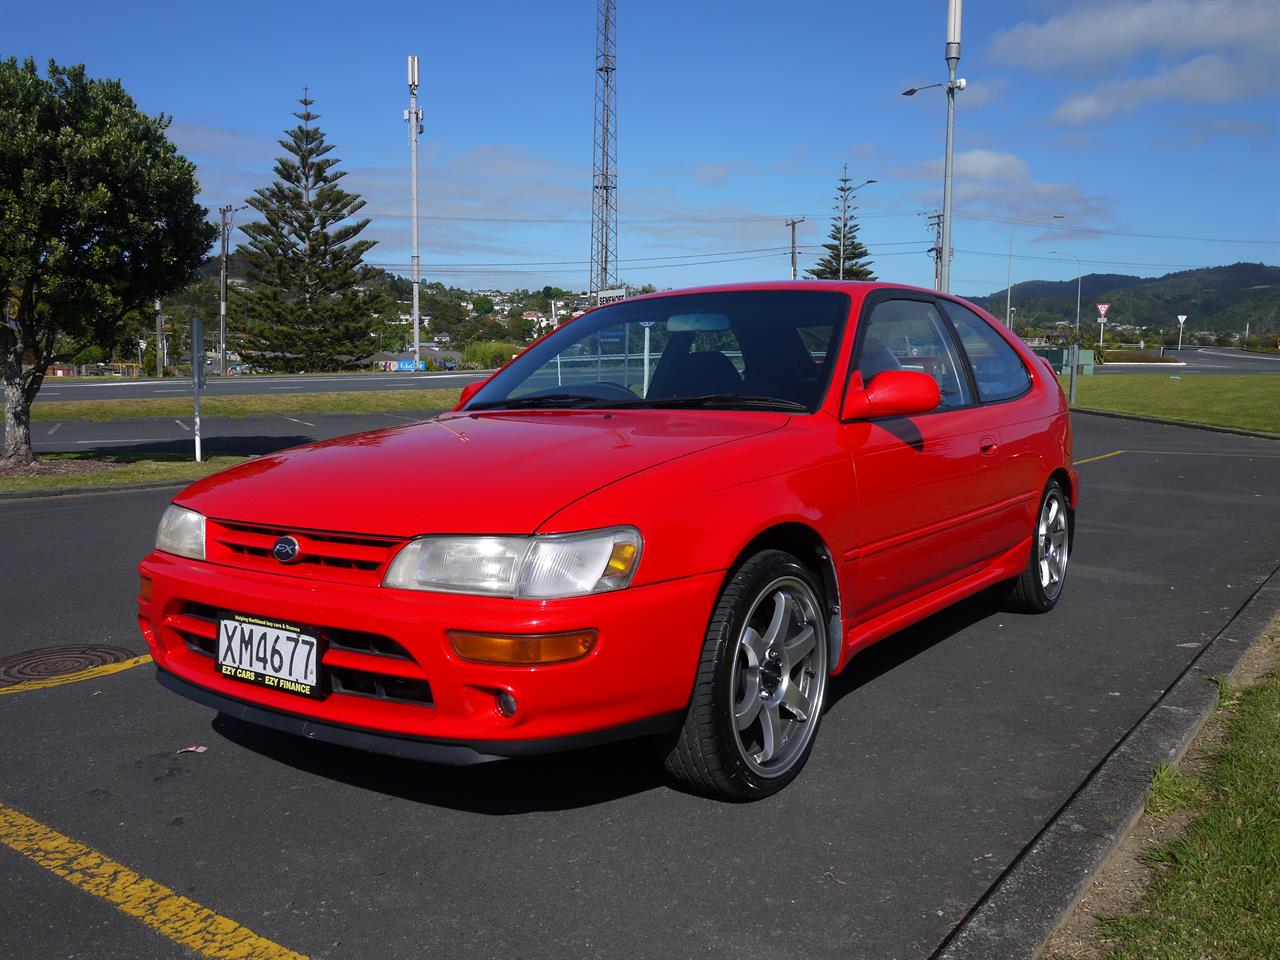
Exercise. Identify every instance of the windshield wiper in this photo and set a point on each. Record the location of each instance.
(540, 400)
(727, 401)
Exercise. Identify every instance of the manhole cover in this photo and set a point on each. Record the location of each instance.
(58, 661)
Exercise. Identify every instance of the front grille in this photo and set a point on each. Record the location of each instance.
(353, 663)
(340, 557)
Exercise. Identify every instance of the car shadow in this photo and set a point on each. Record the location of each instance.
(895, 650)
(561, 781)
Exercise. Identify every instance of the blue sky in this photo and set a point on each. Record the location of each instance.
(1145, 123)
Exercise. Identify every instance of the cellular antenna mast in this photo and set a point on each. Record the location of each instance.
(413, 116)
(604, 166)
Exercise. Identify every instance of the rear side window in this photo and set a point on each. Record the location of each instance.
(996, 366)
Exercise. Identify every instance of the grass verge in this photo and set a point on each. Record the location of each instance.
(345, 401)
(1242, 401)
(72, 470)
(1215, 890)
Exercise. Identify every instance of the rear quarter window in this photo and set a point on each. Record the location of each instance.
(997, 368)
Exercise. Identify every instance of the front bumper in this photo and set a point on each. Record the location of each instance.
(637, 678)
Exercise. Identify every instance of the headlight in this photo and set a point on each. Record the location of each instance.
(542, 567)
(181, 532)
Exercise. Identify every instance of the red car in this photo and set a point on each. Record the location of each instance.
(677, 515)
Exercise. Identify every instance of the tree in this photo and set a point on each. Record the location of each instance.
(844, 234)
(97, 218)
(310, 305)
(482, 305)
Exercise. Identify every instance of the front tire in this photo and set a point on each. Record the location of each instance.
(1038, 588)
(761, 684)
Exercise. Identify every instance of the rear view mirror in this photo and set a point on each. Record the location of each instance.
(698, 323)
(892, 393)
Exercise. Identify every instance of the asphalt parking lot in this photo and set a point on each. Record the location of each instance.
(1209, 360)
(945, 750)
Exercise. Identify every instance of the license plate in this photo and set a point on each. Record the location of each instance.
(269, 653)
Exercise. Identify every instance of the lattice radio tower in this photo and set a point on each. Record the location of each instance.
(604, 166)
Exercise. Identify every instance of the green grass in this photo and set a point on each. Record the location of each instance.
(1216, 889)
(1171, 791)
(353, 401)
(121, 469)
(1243, 401)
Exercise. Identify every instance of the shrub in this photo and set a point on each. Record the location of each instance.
(489, 353)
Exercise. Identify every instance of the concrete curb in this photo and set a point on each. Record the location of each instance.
(1039, 889)
(40, 493)
(1148, 366)
(1176, 423)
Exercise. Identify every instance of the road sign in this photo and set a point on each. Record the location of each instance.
(1102, 310)
(610, 296)
(1182, 318)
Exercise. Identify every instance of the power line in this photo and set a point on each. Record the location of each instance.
(1114, 233)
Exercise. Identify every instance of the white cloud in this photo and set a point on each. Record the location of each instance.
(1100, 33)
(1000, 185)
(1206, 79)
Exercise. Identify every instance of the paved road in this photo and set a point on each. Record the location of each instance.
(944, 751)
(107, 388)
(1211, 360)
(219, 435)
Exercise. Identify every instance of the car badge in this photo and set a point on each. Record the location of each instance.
(286, 550)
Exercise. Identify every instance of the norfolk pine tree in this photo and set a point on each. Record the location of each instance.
(97, 218)
(844, 229)
(306, 308)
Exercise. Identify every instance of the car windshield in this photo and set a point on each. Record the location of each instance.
(743, 349)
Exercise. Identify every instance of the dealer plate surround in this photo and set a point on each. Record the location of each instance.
(269, 653)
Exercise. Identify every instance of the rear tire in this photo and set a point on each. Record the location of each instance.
(761, 684)
(1040, 585)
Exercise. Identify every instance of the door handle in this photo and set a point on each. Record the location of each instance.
(987, 445)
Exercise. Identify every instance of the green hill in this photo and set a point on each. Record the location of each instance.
(1213, 298)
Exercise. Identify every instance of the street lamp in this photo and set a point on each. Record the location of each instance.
(843, 209)
(1074, 353)
(1008, 285)
(952, 87)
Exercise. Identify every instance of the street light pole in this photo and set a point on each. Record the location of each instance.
(1074, 352)
(414, 117)
(1008, 283)
(953, 58)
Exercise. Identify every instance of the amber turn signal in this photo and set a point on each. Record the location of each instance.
(522, 651)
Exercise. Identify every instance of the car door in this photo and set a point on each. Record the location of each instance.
(1003, 385)
(922, 482)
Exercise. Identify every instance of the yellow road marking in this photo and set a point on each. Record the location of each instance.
(1113, 453)
(183, 921)
(1206, 453)
(103, 671)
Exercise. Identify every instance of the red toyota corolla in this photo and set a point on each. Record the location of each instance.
(677, 515)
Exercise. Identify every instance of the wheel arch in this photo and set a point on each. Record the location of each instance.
(1064, 477)
(807, 545)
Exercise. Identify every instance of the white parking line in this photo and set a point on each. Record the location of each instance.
(53, 429)
(296, 420)
(183, 425)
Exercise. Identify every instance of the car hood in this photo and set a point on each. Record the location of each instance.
(462, 473)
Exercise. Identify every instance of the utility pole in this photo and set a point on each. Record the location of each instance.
(226, 212)
(792, 225)
(159, 341)
(414, 118)
(953, 58)
(935, 221)
(604, 162)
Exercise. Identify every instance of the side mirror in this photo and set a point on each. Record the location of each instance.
(893, 393)
(469, 391)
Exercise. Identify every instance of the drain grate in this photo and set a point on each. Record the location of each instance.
(59, 661)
